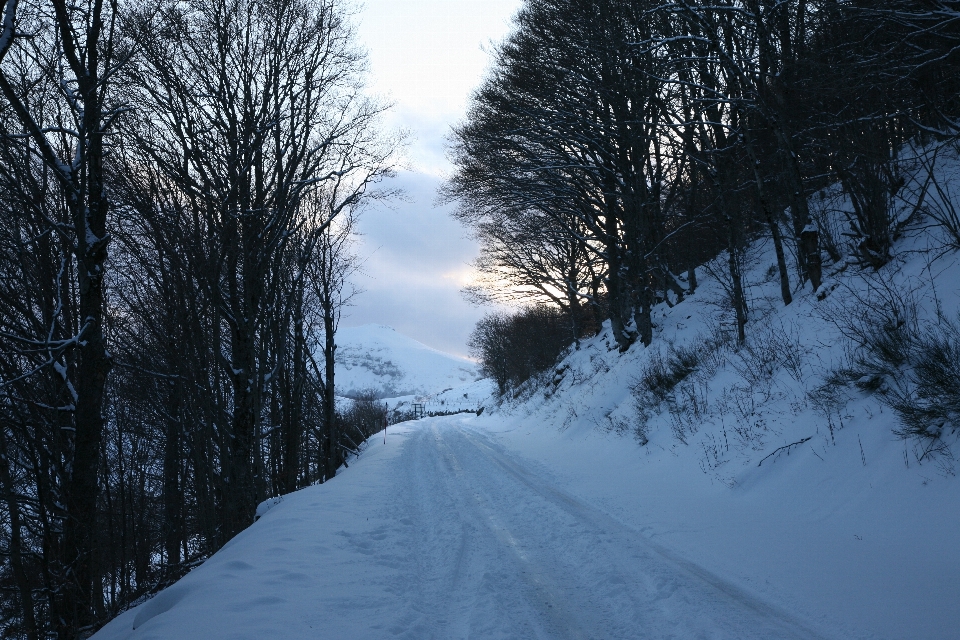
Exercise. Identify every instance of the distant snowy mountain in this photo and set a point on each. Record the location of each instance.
(377, 358)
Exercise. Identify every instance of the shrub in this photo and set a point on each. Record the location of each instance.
(914, 368)
(666, 380)
(364, 417)
(934, 191)
(514, 347)
(881, 326)
(661, 375)
(926, 395)
(688, 408)
(771, 348)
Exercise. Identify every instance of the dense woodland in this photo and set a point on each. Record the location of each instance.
(178, 185)
(617, 144)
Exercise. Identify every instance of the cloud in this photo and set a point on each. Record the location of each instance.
(430, 54)
(416, 260)
(425, 56)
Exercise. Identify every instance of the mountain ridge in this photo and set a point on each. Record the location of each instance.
(376, 358)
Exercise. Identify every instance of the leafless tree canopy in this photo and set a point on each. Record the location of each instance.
(178, 184)
(618, 144)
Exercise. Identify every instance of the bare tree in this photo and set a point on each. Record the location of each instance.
(236, 115)
(247, 108)
(570, 126)
(328, 280)
(65, 53)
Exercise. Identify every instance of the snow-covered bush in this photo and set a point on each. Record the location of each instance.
(926, 394)
(676, 380)
(662, 374)
(880, 323)
(912, 365)
(770, 348)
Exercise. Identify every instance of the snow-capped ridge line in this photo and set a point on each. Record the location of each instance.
(377, 358)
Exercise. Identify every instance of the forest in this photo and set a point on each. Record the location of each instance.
(617, 145)
(178, 186)
(179, 182)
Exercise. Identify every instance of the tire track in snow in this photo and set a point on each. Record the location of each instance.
(735, 610)
(441, 542)
(550, 619)
(502, 552)
(470, 577)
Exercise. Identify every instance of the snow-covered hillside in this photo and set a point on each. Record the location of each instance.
(776, 463)
(376, 358)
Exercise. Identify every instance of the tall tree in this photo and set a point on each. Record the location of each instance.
(248, 106)
(73, 58)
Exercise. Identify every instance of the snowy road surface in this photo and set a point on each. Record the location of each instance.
(442, 534)
(500, 553)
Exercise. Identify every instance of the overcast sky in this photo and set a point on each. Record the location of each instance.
(426, 56)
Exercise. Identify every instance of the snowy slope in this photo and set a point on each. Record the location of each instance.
(376, 358)
(761, 466)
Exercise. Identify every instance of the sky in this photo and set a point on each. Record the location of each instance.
(426, 57)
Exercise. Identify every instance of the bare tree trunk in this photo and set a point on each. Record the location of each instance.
(292, 414)
(810, 246)
(739, 300)
(771, 222)
(82, 180)
(615, 285)
(16, 549)
(240, 491)
(333, 458)
(172, 496)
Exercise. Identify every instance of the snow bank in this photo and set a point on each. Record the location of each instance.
(310, 567)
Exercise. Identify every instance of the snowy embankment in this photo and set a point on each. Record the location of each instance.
(763, 464)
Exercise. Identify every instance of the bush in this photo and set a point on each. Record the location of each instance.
(364, 418)
(770, 349)
(914, 368)
(881, 326)
(926, 396)
(934, 191)
(667, 379)
(512, 348)
(661, 375)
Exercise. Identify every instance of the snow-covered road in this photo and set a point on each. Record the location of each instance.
(498, 552)
(444, 534)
